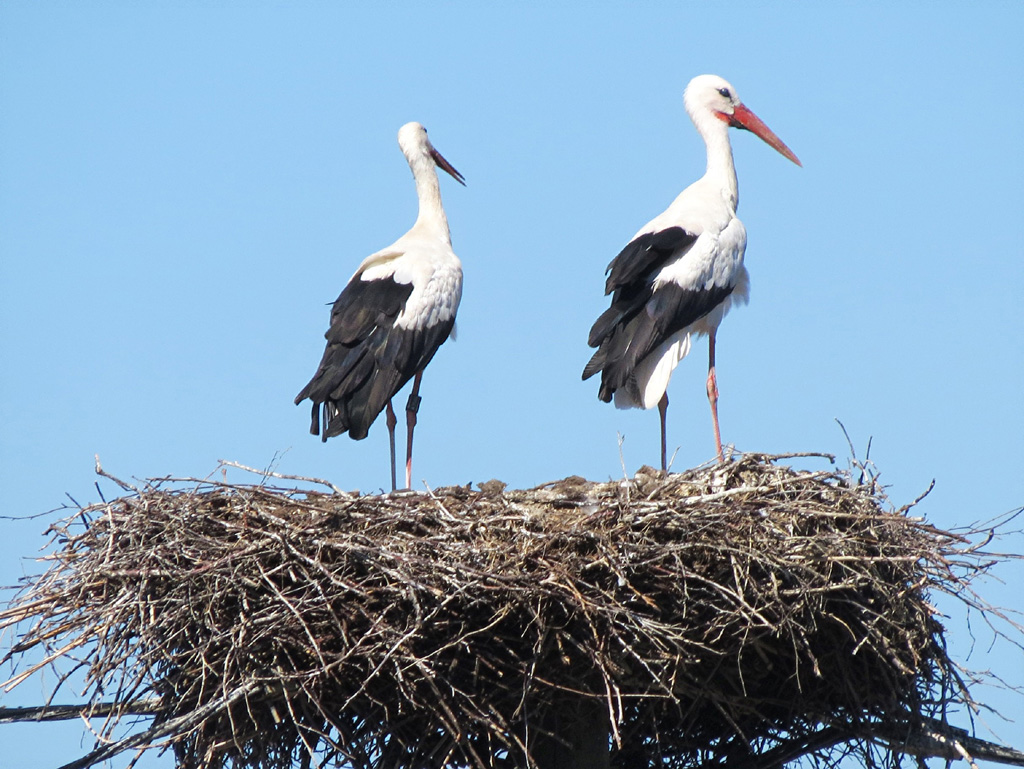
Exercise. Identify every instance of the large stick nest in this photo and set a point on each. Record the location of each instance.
(717, 614)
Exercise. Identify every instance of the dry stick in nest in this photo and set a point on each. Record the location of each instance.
(738, 614)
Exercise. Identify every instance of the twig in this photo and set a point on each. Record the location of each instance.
(270, 474)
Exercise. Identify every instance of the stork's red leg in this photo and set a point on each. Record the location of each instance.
(392, 421)
(410, 417)
(663, 410)
(713, 394)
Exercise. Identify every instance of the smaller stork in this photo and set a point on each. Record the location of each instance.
(682, 272)
(395, 312)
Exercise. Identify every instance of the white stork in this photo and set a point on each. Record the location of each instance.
(682, 272)
(395, 312)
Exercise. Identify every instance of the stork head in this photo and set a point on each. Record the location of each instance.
(412, 138)
(710, 97)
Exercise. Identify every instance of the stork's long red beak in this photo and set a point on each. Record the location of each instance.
(744, 118)
(444, 164)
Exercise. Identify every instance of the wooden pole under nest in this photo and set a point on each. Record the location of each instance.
(573, 734)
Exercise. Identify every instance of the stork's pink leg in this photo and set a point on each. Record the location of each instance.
(663, 410)
(410, 417)
(713, 395)
(392, 421)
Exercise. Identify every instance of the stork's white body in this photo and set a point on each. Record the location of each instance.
(714, 260)
(425, 261)
(682, 272)
(395, 312)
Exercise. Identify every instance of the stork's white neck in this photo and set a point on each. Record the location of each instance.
(428, 190)
(721, 171)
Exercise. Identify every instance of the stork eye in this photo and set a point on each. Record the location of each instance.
(725, 93)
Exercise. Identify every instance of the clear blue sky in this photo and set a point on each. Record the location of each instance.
(184, 187)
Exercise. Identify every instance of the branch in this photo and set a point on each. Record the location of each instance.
(41, 713)
(936, 739)
(164, 729)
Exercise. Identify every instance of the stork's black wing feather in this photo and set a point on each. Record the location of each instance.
(368, 358)
(630, 275)
(658, 315)
(362, 307)
(640, 318)
(643, 255)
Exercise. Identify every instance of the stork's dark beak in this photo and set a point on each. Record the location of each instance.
(445, 165)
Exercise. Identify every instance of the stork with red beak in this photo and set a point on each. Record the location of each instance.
(682, 272)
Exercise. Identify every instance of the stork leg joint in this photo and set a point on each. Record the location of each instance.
(712, 386)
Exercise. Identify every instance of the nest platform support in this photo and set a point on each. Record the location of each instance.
(572, 733)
